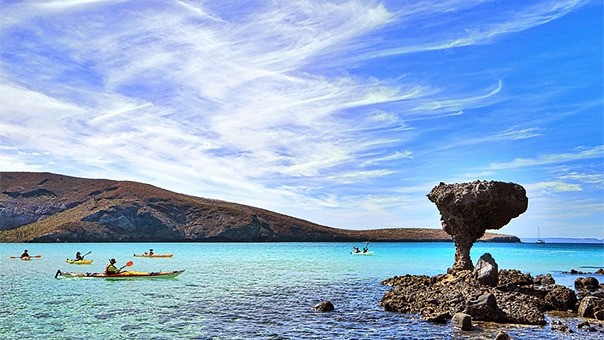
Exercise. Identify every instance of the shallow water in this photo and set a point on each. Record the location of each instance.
(251, 290)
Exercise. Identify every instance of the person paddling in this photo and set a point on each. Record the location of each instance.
(79, 257)
(150, 252)
(111, 268)
(25, 255)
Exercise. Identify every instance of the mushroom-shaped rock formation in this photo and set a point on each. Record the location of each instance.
(468, 209)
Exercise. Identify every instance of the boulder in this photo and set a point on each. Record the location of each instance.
(544, 280)
(589, 305)
(462, 321)
(324, 306)
(561, 298)
(441, 317)
(486, 270)
(513, 277)
(484, 308)
(590, 283)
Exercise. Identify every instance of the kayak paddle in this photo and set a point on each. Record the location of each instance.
(86, 254)
(128, 264)
(35, 257)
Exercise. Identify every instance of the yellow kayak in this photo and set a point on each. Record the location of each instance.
(121, 276)
(79, 261)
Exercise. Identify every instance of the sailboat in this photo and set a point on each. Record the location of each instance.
(539, 240)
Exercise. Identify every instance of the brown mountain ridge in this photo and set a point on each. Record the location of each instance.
(46, 207)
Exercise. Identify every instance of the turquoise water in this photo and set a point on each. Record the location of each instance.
(249, 290)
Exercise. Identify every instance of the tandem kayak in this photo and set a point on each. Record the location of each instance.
(121, 276)
(365, 253)
(154, 255)
(79, 261)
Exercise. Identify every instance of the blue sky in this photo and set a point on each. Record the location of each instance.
(344, 113)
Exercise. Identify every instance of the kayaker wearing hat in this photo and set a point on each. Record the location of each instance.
(78, 256)
(25, 255)
(111, 268)
(150, 252)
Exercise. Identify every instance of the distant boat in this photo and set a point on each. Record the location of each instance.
(539, 240)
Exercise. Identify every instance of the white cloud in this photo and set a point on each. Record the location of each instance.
(554, 186)
(580, 153)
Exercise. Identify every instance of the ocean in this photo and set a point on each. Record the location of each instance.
(253, 290)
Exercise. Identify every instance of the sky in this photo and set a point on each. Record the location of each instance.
(343, 113)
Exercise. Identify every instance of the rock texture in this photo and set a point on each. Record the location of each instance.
(487, 270)
(45, 207)
(468, 209)
(324, 306)
(461, 292)
(517, 298)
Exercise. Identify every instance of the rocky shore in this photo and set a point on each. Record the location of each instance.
(482, 292)
(502, 296)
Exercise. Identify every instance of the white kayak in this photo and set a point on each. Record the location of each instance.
(363, 253)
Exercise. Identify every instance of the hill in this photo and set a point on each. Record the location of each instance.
(46, 207)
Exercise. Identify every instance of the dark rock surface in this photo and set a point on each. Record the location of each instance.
(467, 210)
(487, 270)
(544, 280)
(462, 321)
(590, 283)
(461, 292)
(324, 306)
(561, 298)
(517, 298)
(589, 306)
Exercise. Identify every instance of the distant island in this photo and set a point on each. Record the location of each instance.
(47, 207)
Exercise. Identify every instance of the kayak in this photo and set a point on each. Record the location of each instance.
(121, 276)
(154, 255)
(79, 261)
(27, 258)
(365, 253)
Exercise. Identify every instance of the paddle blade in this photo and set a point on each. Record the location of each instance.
(38, 256)
(129, 263)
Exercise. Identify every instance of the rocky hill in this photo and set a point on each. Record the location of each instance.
(45, 207)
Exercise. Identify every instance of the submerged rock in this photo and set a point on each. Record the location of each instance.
(324, 306)
(462, 321)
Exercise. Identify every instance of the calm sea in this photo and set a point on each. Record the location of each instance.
(251, 290)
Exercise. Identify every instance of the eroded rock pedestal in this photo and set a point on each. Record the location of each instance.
(468, 209)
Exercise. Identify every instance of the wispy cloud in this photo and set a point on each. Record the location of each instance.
(475, 32)
(579, 154)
